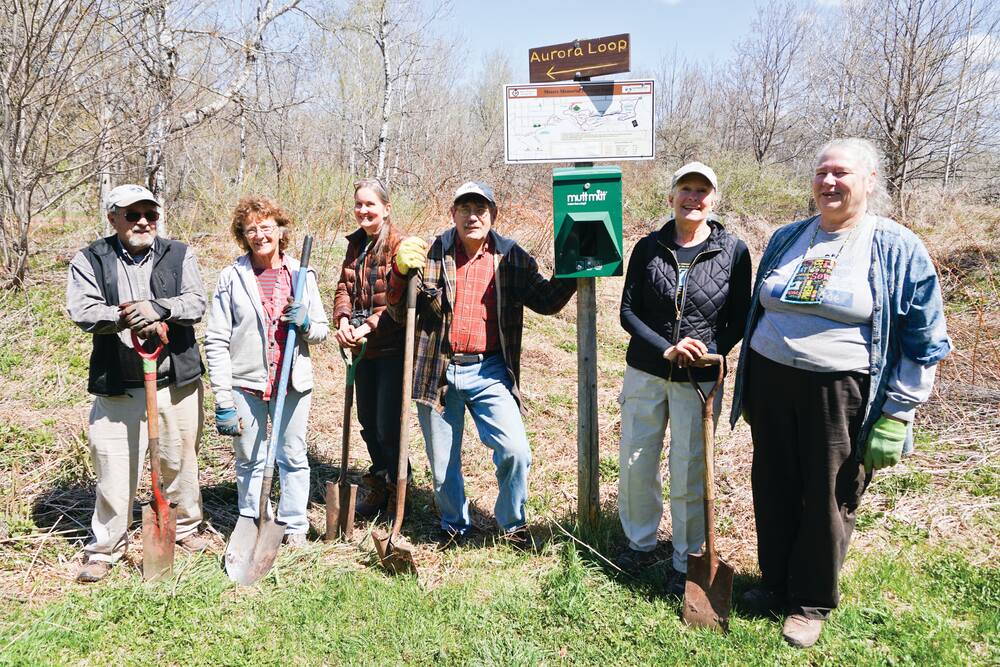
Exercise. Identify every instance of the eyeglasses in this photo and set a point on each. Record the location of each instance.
(466, 210)
(264, 230)
(135, 216)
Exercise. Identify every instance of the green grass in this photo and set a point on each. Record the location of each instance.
(916, 606)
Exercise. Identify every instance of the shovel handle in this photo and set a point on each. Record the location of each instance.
(708, 437)
(152, 419)
(264, 508)
(345, 438)
(412, 285)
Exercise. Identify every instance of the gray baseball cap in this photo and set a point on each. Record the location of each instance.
(695, 168)
(475, 188)
(125, 195)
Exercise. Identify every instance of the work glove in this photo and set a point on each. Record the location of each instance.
(226, 421)
(411, 254)
(885, 444)
(156, 329)
(140, 314)
(296, 313)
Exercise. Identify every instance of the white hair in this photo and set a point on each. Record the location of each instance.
(868, 158)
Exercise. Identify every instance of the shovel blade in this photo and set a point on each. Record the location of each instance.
(708, 592)
(252, 548)
(341, 501)
(395, 555)
(159, 534)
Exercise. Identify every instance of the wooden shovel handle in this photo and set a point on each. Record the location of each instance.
(708, 438)
(416, 278)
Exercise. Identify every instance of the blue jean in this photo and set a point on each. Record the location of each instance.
(485, 389)
(293, 464)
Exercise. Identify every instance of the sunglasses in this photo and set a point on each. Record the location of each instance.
(135, 216)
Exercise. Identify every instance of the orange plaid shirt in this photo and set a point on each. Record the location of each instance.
(475, 328)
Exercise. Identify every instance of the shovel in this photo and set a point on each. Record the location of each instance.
(159, 520)
(708, 591)
(253, 546)
(395, 554)
(341, 497)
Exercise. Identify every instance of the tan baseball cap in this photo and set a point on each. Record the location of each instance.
(125, 195)
(475, 188)
(695, 168)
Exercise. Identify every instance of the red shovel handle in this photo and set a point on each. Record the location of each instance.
(152, 356)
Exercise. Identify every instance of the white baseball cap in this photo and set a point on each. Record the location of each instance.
(125, 195)
(475, 188)
(695, 168)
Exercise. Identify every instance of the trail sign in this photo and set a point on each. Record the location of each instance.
(583, 57)
(578, 121)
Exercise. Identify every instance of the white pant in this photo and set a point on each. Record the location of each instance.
(118, 439)
(647, 403)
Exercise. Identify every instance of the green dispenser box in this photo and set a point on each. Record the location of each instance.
(587, 207)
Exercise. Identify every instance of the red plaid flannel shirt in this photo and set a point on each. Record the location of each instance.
(474, 325)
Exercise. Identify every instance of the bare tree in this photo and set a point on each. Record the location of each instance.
(764, 78)
(920, 87)
(50, 137)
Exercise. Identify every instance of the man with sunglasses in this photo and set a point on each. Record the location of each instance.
(136, 282)
(470, 313)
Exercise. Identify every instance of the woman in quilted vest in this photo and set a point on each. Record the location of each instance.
(687, 292)
(359, 307)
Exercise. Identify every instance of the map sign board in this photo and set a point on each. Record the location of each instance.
(578, 122)
(583, 57)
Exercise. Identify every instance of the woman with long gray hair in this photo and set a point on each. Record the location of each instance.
(845, 331)
(359, 306)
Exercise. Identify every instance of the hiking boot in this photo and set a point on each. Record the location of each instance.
(762, 600)
(194, 543)
(800, 631)
(376, 497)
(92, 571)
(449, 539)
(520, 539)
(632, 560)
(295, 540)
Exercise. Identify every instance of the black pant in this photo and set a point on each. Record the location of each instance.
(378, 387)
(807, 479)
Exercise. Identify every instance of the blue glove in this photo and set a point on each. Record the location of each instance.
(296, 313)
(227, 423)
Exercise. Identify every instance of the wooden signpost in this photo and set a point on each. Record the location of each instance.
(580, 59)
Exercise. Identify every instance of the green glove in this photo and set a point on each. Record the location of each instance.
(885, 444)
(411, 254)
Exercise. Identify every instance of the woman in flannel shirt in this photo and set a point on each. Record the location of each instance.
(254, 295)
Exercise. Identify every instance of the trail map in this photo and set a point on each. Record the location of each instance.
(578, 122)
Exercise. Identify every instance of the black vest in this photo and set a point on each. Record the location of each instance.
(165, 281)
(703, 300)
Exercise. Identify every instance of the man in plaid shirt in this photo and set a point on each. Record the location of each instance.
(470, 313)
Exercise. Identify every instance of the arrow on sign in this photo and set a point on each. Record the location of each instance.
(551, 71)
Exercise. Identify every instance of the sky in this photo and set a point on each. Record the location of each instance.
(696, 29)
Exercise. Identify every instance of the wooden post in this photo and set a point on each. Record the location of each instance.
(587, 440)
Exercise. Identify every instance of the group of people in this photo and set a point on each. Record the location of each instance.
(841, 334)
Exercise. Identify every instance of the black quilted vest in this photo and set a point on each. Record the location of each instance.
(703, 301)
(165, 281)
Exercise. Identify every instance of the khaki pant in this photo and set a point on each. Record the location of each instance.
(118, 439)
(648, 404)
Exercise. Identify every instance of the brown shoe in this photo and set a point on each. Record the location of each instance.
(801, 632)
(376, 497)
(92, 571)
(520, 539)
(194, 543)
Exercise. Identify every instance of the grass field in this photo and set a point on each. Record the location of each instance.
(921, 585)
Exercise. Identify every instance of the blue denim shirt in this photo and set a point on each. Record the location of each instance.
(907, 312)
